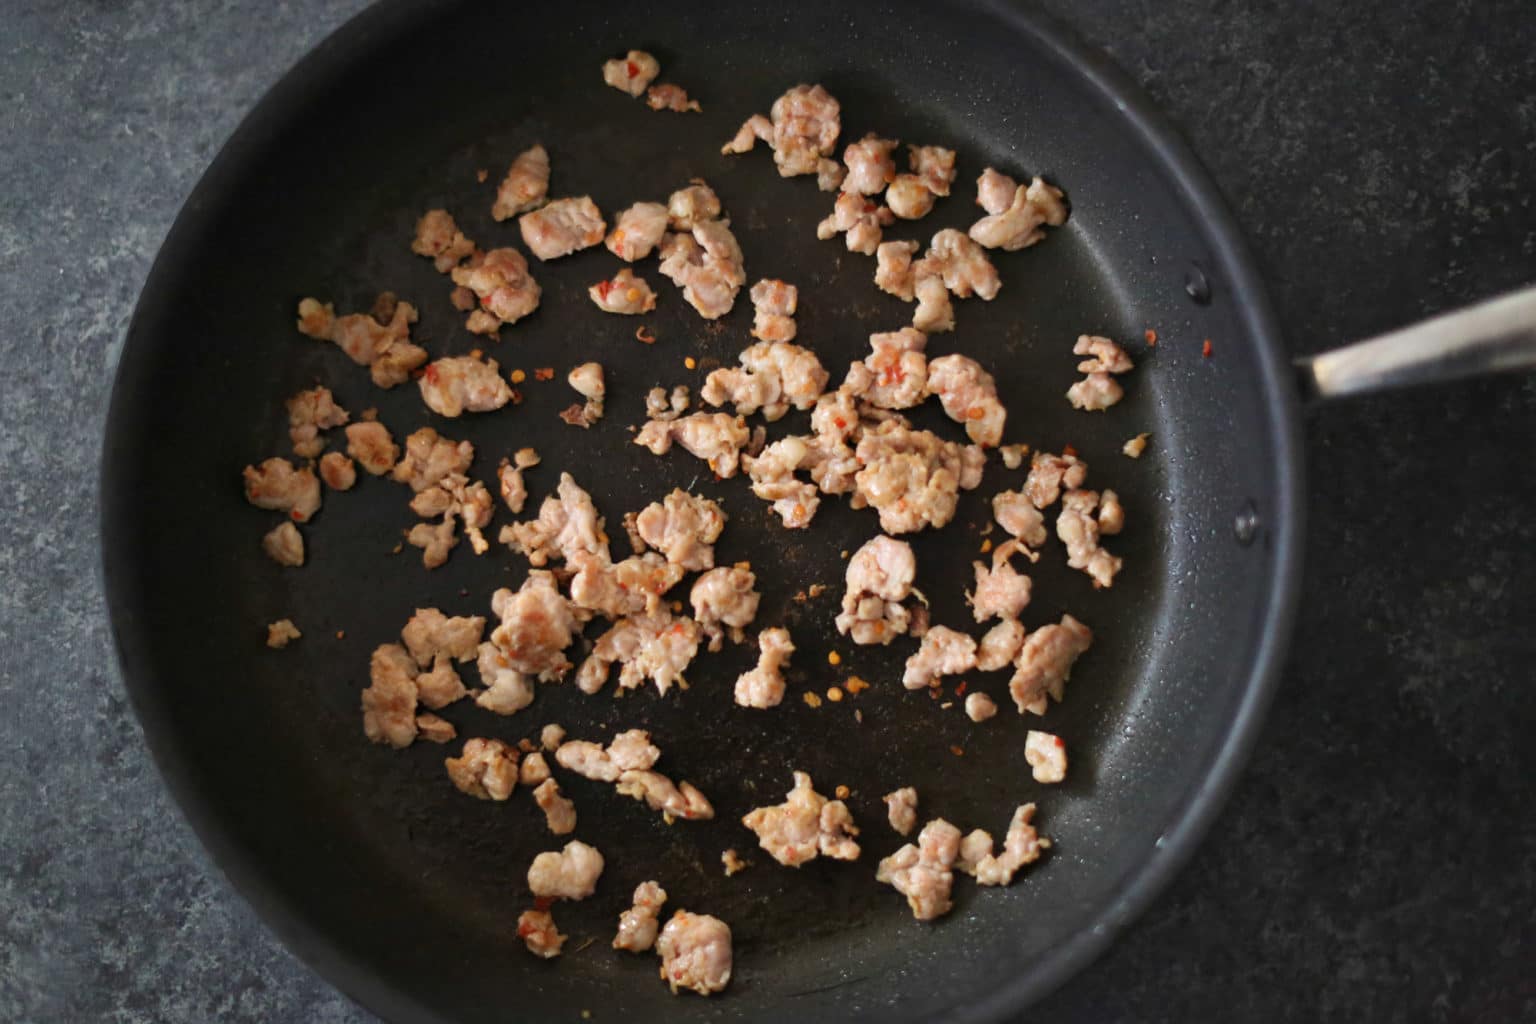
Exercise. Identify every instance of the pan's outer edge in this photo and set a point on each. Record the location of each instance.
(1286, 527)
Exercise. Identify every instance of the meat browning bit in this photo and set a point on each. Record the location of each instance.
(559, 812)
(1022, 845)
(1098, 390)
(386, 349)
(485, 769)
(869, 165)
(638, 230)
(773, 305)
(859, 220)
(763, 686)
(439, 239)
(1045, 663)
(587, 381)
(773, 377)
(562, 227)
(707, 265)
(695, 953)
(665, 96)
(284, 544)
(638, 925)
(458, 384)
(501, 283)
(922, 873)
(969, 396)
(1022, 222)
(802, 130)
(538, 932)
(571, 874)
(804, 826)
(717, 438)
(934, 166)
(1047, 755)
(276, 484)
(684, 527)
(281, 633)
(370, 443)
(525, 186)
(310, 412)
(632, 72)
(1079, 530)
(879, 578)
(901, 810)
(944, 652)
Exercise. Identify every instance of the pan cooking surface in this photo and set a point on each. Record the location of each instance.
(406, 891)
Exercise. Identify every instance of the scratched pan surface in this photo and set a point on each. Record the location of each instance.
(404, 892)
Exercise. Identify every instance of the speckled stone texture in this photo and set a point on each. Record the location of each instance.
(1379, 860)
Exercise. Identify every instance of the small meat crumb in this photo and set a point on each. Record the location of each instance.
(559, 812)
(979, 707)
(538, 932)
(284, 544)
(571, 874)
(632, 72)
(281, 633)
(811, 699)
(637, 925)
(1133, 448)
(901, 809)
(695, 953)
(1047, 755)
(732, 862)
(338, 471)
(486, 769)
(856, 685)
(666, 96)
(804, 826)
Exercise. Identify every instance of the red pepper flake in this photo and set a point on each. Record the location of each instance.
(643, 334)
(1151, 336)
(485, 300)
(341, 634)
(544, 373)
(960, 690)
(957, 751)
(296, 515)
(1205, 350)
(603, 288)
(517, 397)
(430, 373)
(1067, 449)
(543, 902)
(632, 68)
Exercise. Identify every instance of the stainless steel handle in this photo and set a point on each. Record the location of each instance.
(1491, 337)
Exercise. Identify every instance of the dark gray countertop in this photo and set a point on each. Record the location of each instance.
(1378, 861)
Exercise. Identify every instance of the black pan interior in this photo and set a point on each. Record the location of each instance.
(405, 892)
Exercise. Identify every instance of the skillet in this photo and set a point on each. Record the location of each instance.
(405, 893)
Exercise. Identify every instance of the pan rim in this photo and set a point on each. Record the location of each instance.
(1188, 825)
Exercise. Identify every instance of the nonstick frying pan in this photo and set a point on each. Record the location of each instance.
(405, 893)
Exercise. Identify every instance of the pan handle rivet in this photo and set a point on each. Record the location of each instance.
(1245, 526)
(1196, 285)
